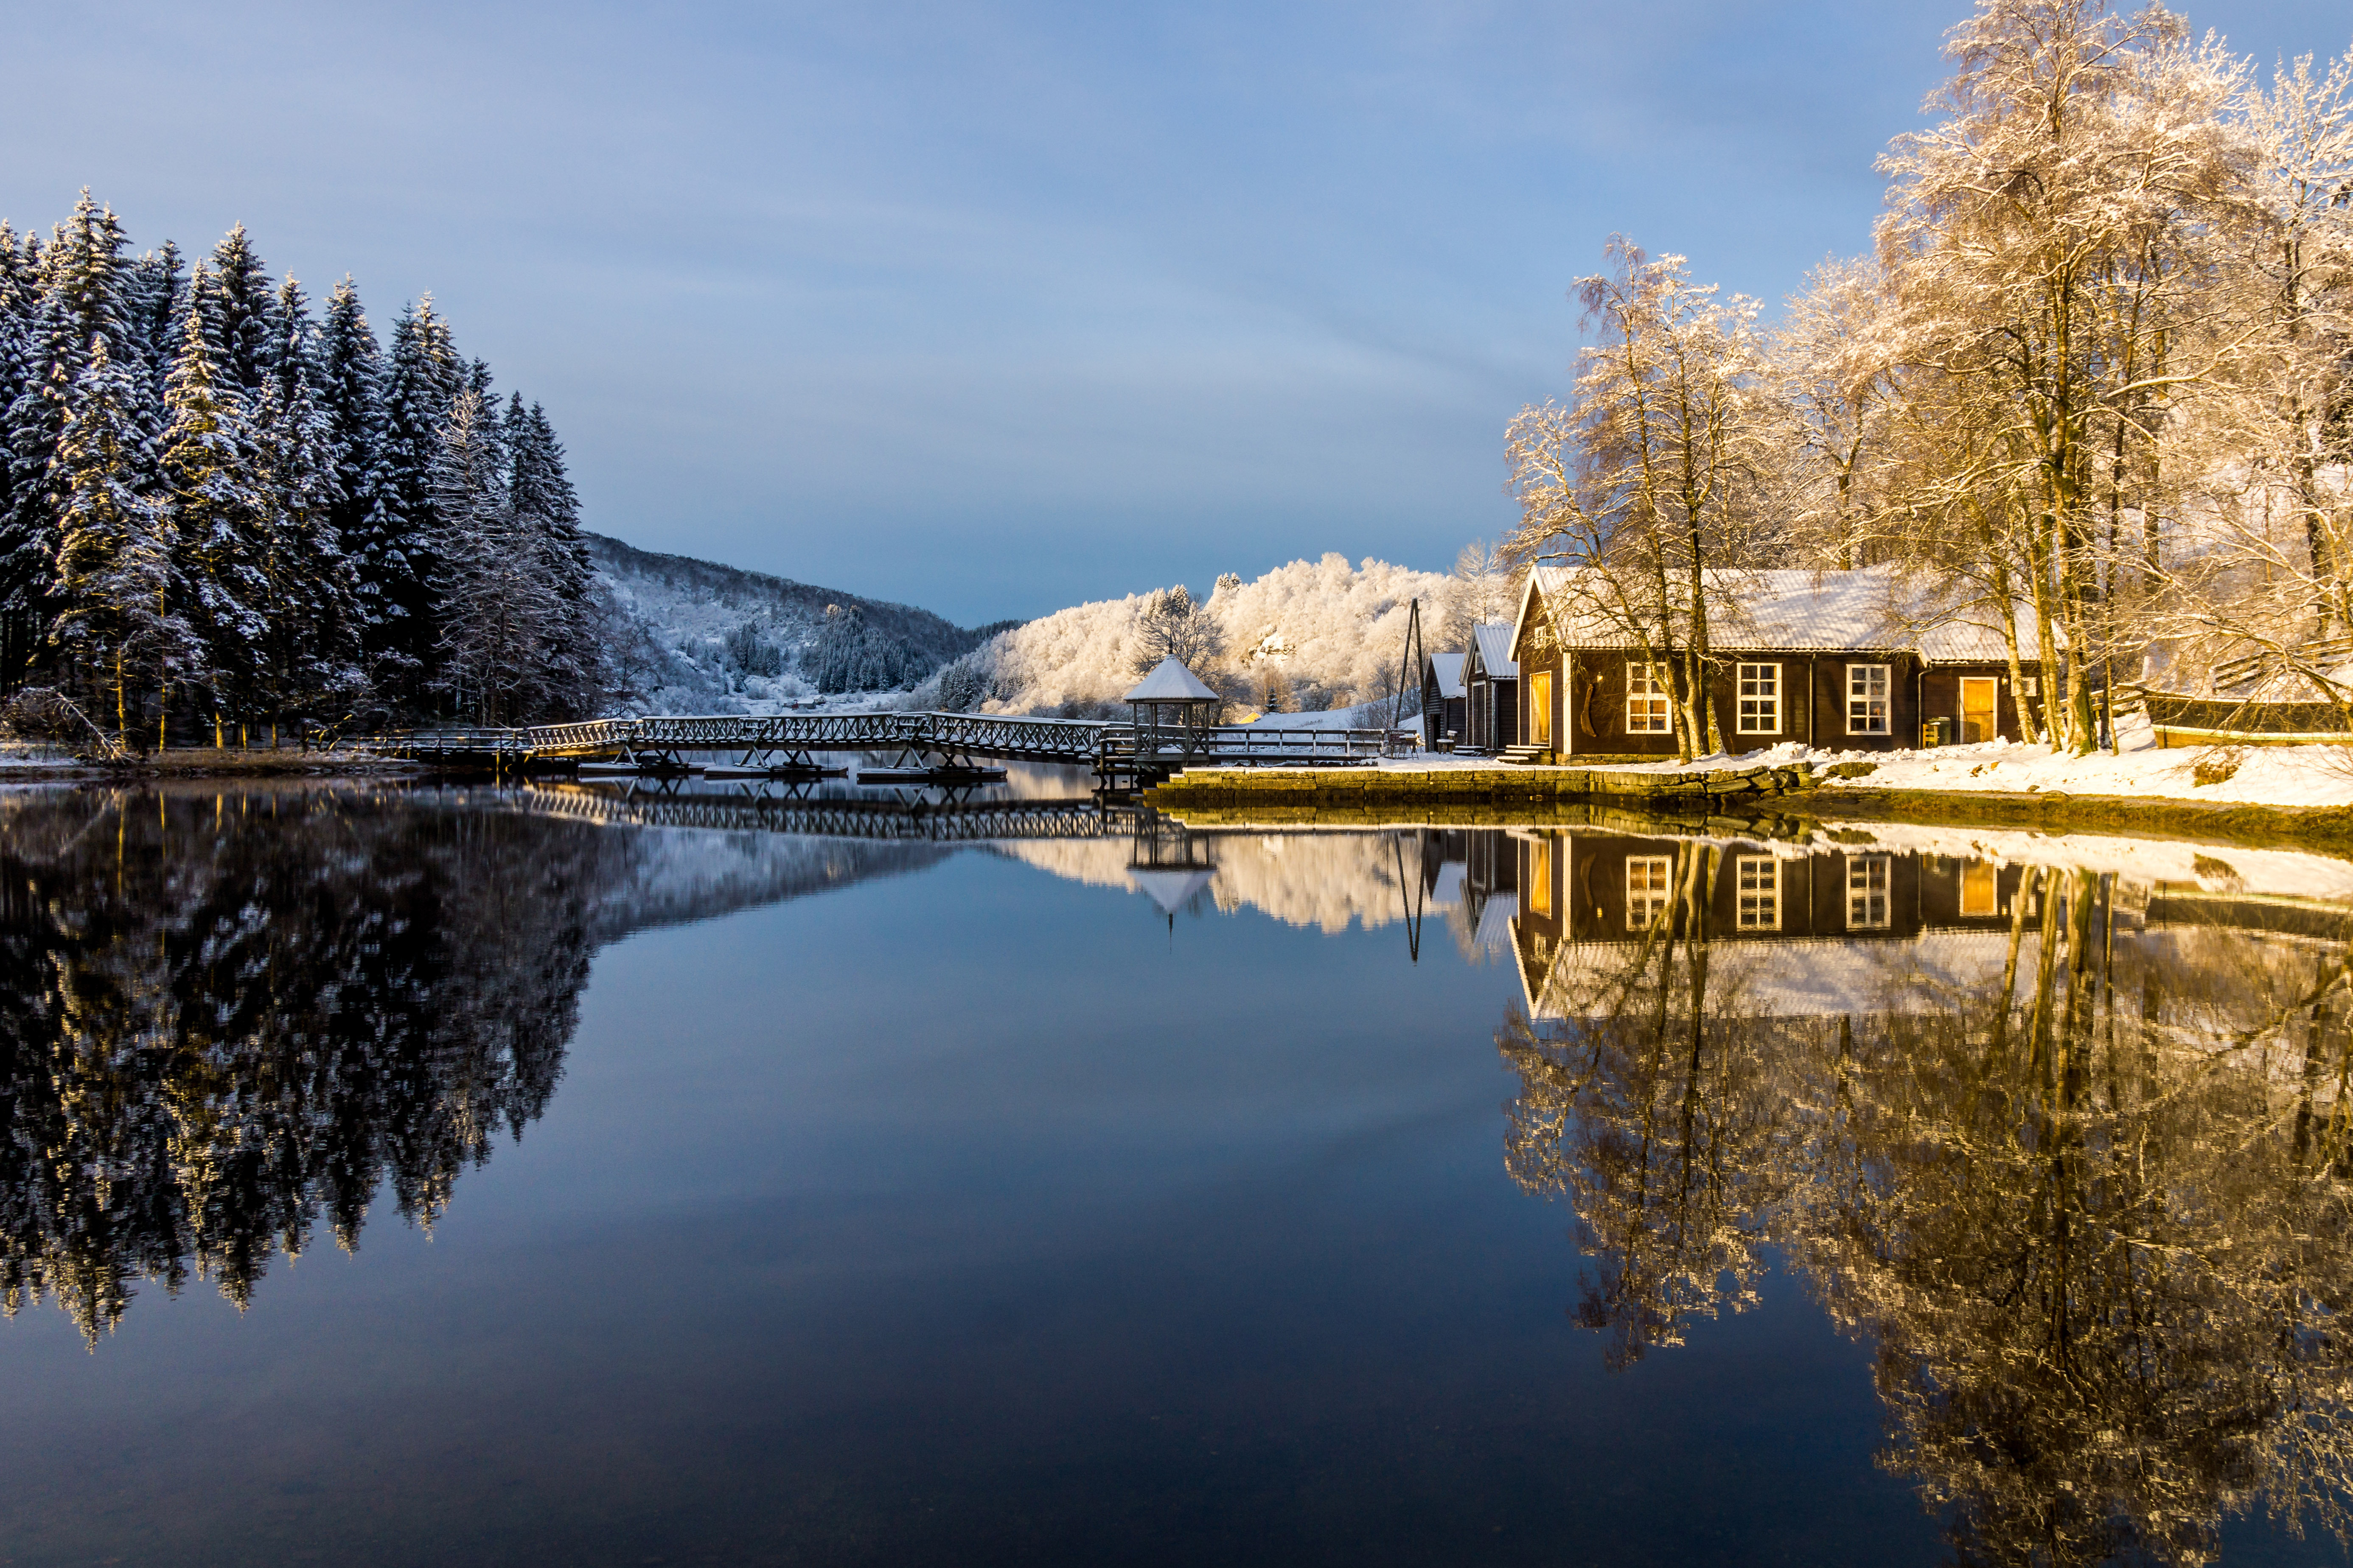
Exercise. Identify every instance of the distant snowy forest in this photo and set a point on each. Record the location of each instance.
(1307, 637)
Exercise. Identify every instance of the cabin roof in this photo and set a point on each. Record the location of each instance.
(1448, 667)
(1875, 609)
(1170, 682)
(1493, 641)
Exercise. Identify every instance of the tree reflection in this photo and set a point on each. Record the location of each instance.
(1653, 1114)
(2091, 1207)
(224, 1020)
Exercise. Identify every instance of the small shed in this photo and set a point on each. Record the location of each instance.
(1442, 697)
(1492, 689)
(1173, 709)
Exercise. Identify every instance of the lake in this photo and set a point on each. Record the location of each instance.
(467, 1176)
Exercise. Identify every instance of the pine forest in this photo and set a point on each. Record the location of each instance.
(228, 512)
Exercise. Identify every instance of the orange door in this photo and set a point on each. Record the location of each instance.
(1540, 709)
(1978, 720)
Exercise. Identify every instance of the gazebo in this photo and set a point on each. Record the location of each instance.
(1172, 708)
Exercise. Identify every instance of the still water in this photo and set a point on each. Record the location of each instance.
(475, 1177)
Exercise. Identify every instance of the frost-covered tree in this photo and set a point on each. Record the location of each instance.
(239, 309)
(1481, 592)
(117, 620)
(1651, 478)
(421, 380)
(1171, 624)
(500, 616)
(221, 508)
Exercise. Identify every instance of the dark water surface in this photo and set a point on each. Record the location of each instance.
(437, 1177)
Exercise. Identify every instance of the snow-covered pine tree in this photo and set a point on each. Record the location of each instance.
(542, 495)
(221, 512)
(421, 379)
(498, 613)
(80, 300)
(239, 309)
(117, 620)
(350, 394)
(311, 654)
(20, 634)
(155, 296)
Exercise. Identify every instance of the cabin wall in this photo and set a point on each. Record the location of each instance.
(1592, 717)
(1492, 720)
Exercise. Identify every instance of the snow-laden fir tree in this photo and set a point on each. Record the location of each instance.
(240, 308)
(541, 497)
(311, 653)
(221, 507)
(500, 616)
(117, 623)
(421, 380)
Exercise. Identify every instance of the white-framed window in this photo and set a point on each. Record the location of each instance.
(1646, 701)
(1759, 709)
(1867, 880)
(1759, 880)
(1867, 709)
(1648, 881)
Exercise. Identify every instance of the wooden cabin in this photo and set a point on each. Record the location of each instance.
(1443, 699)
(1856, 660)
(1491, 682)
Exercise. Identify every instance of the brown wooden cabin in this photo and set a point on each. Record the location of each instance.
(1838, 660)
(1491, 682)
(1442, 702)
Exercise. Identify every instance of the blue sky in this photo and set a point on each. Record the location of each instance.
(996, 307)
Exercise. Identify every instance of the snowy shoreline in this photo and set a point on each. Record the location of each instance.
(2264, 776)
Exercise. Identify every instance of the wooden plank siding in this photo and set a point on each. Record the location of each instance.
(1591, 689)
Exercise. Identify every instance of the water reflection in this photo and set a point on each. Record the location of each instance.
(229, 1019)
(2069, 1145)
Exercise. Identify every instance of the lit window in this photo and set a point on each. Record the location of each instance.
(1760, 699)
(1981, 890)
(1540, 876)
(1647, 895)
(1866, 700)
(1866, 891)
(1646, 701)
(1759, 879)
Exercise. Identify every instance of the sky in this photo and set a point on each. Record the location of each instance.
(993, 306)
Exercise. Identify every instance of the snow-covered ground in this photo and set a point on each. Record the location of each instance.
(2264, 776)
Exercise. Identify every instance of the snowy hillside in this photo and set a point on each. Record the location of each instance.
(1320, 634)
(692, 636)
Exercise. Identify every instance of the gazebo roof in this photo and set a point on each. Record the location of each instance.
(1170, 682)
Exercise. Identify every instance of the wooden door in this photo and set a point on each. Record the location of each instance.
(1977, 717)
(1540, 709)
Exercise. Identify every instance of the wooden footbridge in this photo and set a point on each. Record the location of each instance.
(945, 744)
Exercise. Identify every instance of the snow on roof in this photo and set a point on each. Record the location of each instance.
(1494, 644)
(1170, 682)
(1874, 608)
(1448, 669)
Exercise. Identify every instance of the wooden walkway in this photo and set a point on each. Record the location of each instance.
(944, 741)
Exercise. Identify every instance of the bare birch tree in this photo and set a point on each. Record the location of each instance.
(1647, 478)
